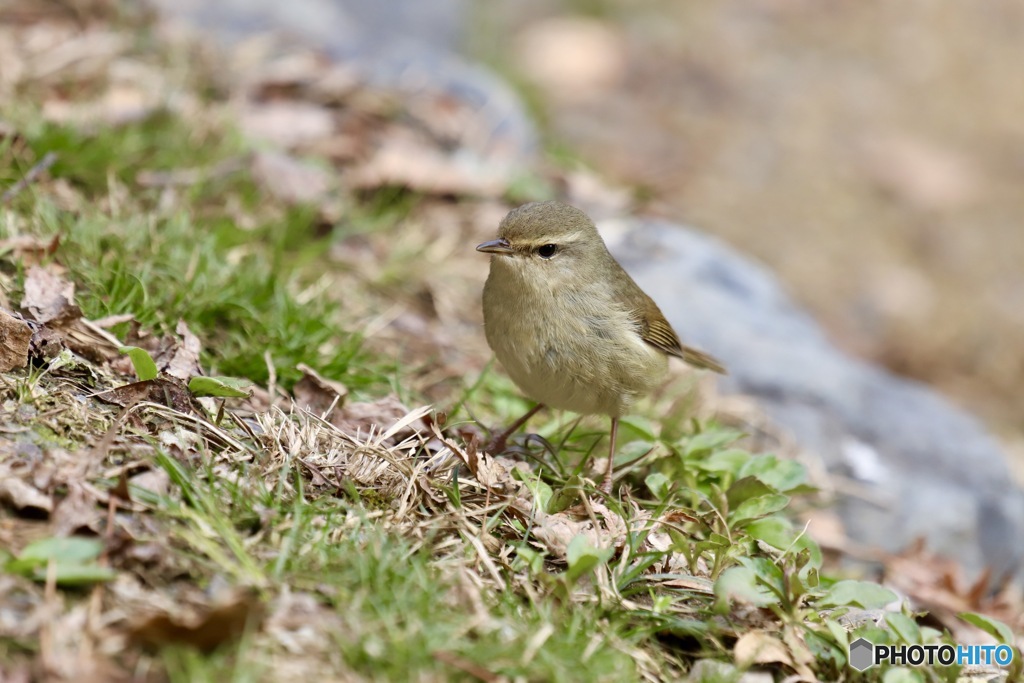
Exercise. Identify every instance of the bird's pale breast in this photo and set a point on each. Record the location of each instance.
(571, 348)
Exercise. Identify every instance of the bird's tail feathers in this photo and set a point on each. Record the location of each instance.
(699, 359)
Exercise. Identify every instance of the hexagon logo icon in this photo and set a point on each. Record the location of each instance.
(862, 654)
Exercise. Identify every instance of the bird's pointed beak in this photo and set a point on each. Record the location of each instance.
(500, 247)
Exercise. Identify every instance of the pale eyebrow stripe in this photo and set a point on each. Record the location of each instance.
(571, 237)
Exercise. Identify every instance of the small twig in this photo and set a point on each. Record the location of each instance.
(14, 190)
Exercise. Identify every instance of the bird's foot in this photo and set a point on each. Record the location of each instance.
(499, 442)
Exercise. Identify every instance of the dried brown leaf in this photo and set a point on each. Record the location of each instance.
(557, 530)
(613, 524)
(336, 82)
(119, 105)
(49, 298)
(82, 55)
(15, 335)
(24, 497)
(129, 394)
(164, 390)
(492, 473)
(409, 160)
(761, 647)
(289, 179)
(122, 366)
(77, 511)
(220, 623)
(155, 481)
(283, 74)
(184, 358)
(316, 393)
(939, 585)
(29, 249)
(287, 124)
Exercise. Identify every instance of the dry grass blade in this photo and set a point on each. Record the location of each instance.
(395, 470)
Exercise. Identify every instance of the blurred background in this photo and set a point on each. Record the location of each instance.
(871, 153)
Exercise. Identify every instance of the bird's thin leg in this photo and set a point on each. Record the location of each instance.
(606, 485)
(497, 443)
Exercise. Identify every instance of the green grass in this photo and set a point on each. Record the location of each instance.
(161, 141)
(238, 289)
(391, 601)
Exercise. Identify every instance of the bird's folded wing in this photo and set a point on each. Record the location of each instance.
(659, 334)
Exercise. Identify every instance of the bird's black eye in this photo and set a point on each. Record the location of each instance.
(547, 251)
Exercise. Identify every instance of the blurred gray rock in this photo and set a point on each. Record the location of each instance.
(931, 470)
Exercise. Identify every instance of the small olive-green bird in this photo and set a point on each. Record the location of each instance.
(568, 324)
